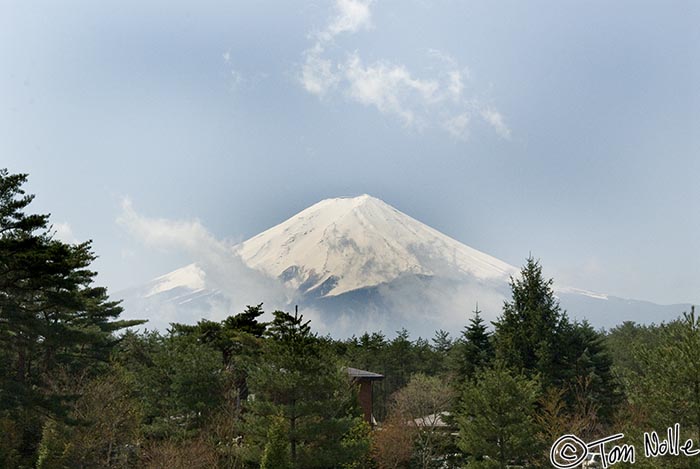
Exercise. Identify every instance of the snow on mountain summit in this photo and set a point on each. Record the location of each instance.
(343, 244)
(191, 277)
(357, 264)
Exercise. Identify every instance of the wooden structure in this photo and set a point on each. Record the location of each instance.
(364, 380)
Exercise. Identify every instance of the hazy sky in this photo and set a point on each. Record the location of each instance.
(568, 129)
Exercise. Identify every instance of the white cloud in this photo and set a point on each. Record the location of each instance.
(458, 126)
(226, 273)
(495, 120)
(436, 99)
(317, 74)
(456, 85)
(64, 232)
(164, 233)
(390, 88)
(351, 16)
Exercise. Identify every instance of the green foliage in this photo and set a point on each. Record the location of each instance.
(233, 336)
(178, 380)
(9, 443)
(400, 360)
(475, 349)
(622, 342)
(667, 384)
(52, 319)
(496, 419)
(276, 454)
(106, 429)
(534, 336)
(396, 359)
(298, 379)
(54, 451)
(527, 334)
(357, 444)
(584, 359)
(442, 343)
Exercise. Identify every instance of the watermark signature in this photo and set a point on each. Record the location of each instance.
(570, 451)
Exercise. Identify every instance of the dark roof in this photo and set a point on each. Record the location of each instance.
(362, 374)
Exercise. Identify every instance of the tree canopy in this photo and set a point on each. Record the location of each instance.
(53, 320)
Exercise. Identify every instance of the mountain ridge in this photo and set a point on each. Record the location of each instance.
(358, 242)
(357, 262)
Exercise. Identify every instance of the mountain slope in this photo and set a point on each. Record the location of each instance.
(344, 244)
(357, 264)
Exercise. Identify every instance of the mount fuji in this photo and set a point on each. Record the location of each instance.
(356, 264)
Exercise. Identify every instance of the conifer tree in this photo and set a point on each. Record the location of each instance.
(534, 336)
(528, 332)
(496, 419)
(400, 355)
(477, 349)
(276, 453)
(442, 343)
(51, 316)
(297, 379)
(238, 338)
(666, 389)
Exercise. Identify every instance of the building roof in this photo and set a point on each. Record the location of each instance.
(432, 420)
(362, 374)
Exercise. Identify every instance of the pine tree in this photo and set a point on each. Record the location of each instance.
(400, 361)
(666, 389)
(51, 316)
(276, 453)
(534, 336)
(589, 372)
(178, 381)
(476, 350)
(238, 338)
(496, 426)
(528, 332)
(297, 379)
(442, 343)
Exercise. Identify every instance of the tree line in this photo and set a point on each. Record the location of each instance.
(80, 388)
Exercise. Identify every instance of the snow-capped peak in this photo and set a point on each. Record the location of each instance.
(191, 277)
(343, 244)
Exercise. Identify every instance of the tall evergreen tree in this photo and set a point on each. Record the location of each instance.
(528, 332)
(400, 362)
(535, 336)
(238, 338)
(496, 427)
(442, 343)
(589, 372)
(51, 316)
(276, 453)
(476, 349)
(298, 380)
(666, 389)
(178, 381)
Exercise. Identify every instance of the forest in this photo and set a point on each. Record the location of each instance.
(81, 388)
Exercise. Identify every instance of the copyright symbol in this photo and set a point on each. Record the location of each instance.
(568, 451)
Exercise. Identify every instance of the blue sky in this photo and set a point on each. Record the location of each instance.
(566, 129)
